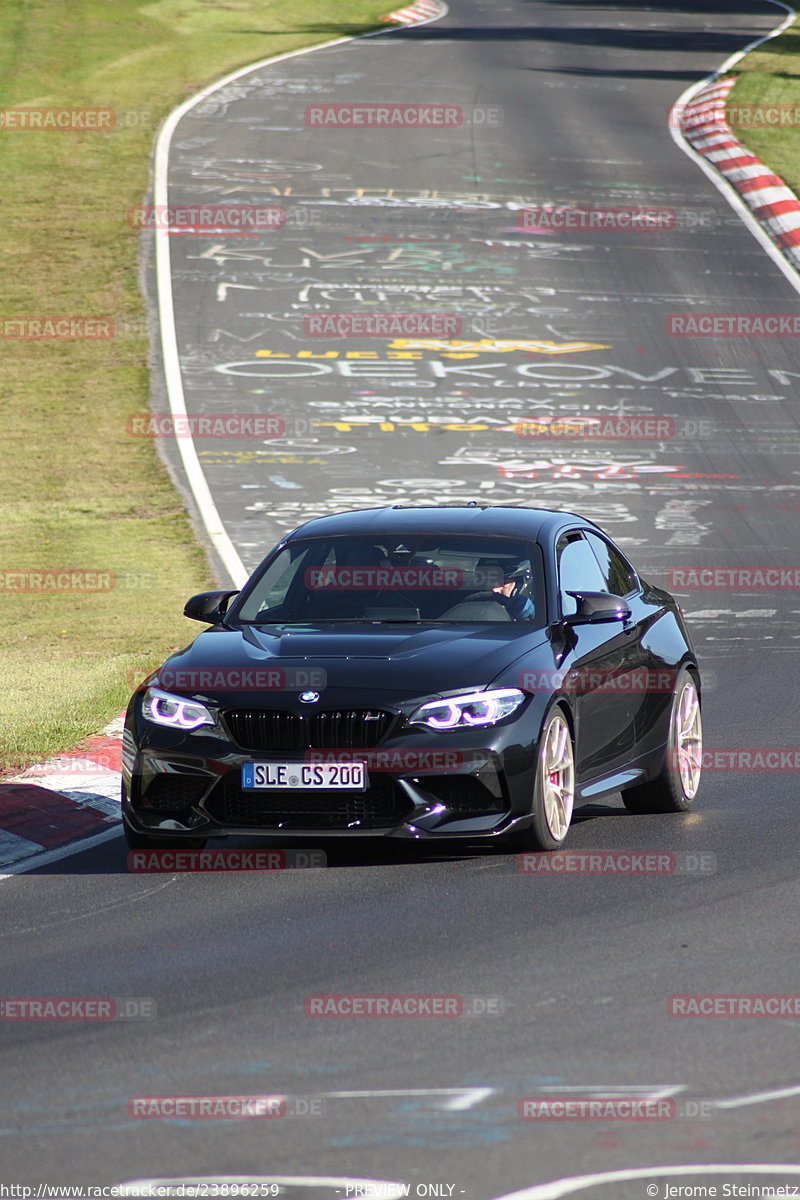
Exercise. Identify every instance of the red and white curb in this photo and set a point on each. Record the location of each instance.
(421, 10)
(763, 202)
(73, 796)
(769, 199)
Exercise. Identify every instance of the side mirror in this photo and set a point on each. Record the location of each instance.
(208, 606)
(597, 607)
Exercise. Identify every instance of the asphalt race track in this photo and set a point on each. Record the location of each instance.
(557, 102)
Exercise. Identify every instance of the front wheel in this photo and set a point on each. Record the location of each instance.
(553, 789)
(674, 789)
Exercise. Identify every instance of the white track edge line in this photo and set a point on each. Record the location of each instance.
(198, 484)
(758, 1098)
(58, 852)
(556, 1188)
(177, 402)
(720, 183)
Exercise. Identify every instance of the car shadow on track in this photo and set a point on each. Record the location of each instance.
(112, 856)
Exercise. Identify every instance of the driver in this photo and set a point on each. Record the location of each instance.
(510, 593)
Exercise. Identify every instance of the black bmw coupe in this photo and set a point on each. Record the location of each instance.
(452, 671)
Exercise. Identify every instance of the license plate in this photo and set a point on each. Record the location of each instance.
(305, 776)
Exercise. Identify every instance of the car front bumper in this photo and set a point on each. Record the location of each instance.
(189, 786)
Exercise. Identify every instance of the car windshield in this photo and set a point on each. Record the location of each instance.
(416, 578)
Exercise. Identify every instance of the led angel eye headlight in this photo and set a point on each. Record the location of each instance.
(162, 708)
(477, 708)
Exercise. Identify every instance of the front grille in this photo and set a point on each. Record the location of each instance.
(174, 793)
(462, 794)
(264, 729)
(348, 728)
(382, 805)
(258, 729)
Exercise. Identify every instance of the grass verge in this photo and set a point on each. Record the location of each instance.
(76, 493)
(768, 79)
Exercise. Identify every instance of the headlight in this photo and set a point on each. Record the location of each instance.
(477, 708)
(164, 709)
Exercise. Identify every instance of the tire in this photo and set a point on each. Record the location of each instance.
(146, 841)
(675, 788)
(553, 788)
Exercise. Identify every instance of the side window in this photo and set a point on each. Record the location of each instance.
(277, 579)
(578, 571)
(619, 579)
(283, 577)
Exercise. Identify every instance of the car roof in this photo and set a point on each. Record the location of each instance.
(505, 520)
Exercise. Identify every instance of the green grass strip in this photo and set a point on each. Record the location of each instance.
(768, 81)
(75, 490)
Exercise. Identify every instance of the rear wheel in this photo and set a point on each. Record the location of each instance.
(674, 789)
(553, 789)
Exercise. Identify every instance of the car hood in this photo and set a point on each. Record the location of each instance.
(398, 661)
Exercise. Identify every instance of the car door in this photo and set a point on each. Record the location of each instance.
(636, 669)
(604, 662)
